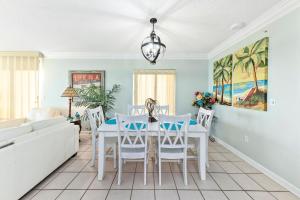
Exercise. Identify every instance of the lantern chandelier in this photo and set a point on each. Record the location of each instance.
(151, 46)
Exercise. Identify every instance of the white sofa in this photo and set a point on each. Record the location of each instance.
(30, 152)
(50, 112)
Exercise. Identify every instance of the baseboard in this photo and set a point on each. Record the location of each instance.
(292, 188)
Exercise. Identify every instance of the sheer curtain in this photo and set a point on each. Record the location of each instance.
(19, 73)
(156, 84)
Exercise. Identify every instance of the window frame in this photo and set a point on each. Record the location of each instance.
(152, 72)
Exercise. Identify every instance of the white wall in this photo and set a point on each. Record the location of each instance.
(274, 136)
(191, 75)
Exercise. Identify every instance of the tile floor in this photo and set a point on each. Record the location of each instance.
(228, 178)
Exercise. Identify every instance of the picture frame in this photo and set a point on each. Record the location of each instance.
(80, 79)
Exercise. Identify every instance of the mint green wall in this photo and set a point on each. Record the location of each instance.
(274, 136)
(191, 75)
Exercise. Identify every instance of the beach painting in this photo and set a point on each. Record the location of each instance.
(250, 76)
(222, 76)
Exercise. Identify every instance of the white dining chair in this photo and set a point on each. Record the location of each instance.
(96, 118)
(132, 140)
(172, 141)
(204, 118)
(136, 109)
(161, 110)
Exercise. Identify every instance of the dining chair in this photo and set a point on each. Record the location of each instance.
(132, 140)
(161, 110)
(96, 118)
(136, 109)
(204, 118)
(172, 141)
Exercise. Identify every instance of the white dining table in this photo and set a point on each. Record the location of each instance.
(195, 131)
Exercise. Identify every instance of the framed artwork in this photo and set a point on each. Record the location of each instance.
(250, 76)
(222, 77)
(81, 79)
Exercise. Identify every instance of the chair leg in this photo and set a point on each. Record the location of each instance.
(207, 163)
(159, 170)
(185, 171)
(145, 170)
(93, 150)
(115, 155)
(120, 170)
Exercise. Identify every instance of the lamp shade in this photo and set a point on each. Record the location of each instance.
(69, 92)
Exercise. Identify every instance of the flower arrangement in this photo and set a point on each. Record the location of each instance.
(203, 99)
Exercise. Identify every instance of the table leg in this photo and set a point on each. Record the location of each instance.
(202, 159)
(101, 156)
(206, 150)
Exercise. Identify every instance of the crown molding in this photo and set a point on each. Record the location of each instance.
(274, 13)
(21, 53)
(99, 55)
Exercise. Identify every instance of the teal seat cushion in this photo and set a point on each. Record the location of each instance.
(193, 122)
(139, 126)
(111, 121)
(173, 128)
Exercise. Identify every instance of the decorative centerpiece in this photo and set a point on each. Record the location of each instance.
(204, 100)
(150, 105)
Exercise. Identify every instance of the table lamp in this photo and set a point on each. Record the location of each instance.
(69, 92)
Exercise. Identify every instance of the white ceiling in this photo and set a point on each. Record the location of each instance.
(117, 27)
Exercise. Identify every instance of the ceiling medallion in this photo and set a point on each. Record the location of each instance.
(151, 46)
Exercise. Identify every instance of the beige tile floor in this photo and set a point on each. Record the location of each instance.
(228, 178)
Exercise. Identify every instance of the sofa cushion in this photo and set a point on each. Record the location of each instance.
(36, 125)
(9, 133)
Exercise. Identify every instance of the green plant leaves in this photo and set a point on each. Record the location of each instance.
(94, 96)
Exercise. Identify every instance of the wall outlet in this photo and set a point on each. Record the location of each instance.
(246, 138)
(273, 102)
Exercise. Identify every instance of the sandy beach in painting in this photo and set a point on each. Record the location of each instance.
(240, 92)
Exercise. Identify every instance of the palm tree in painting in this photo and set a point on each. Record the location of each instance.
(228, 65)
(222, 73)
(217, 66)
(252, 58)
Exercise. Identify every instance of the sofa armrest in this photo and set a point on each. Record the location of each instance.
(12, 123)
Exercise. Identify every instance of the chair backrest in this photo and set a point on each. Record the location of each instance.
(173, 131)
(96, 118)
(205, 117)
(132, 131)
(161, 110)
(136, 109)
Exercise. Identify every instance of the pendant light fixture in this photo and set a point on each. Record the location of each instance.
(151, 46)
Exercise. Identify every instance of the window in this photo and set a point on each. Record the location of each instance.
(156, 84)
(18, 83)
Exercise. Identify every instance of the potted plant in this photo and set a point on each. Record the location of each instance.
(94, 96)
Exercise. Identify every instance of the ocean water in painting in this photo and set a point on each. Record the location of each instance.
(241, 88)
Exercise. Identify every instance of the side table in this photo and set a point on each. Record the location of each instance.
(77, 122)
